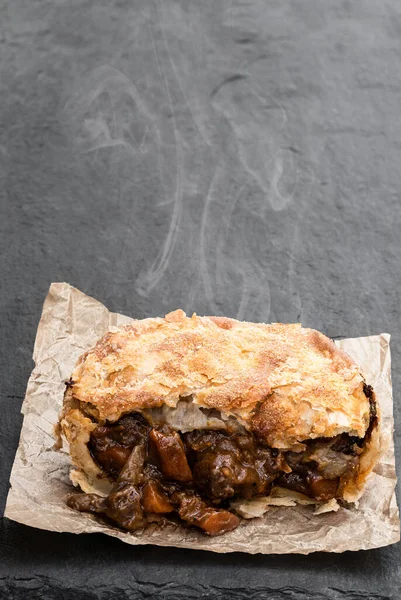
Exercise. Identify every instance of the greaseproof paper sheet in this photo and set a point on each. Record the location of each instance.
(71, 323)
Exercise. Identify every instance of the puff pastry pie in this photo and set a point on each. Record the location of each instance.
(197, 419)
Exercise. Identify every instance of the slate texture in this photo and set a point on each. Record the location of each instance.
(237, 158)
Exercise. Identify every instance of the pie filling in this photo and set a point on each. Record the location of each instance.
(161, 474)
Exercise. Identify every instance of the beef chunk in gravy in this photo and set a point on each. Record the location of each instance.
(194, 475)
(111, 444)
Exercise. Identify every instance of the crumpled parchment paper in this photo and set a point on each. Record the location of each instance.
(71, 323)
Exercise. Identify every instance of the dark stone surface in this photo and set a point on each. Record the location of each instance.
(239, 158)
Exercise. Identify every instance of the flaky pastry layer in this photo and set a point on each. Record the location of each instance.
(285, 383)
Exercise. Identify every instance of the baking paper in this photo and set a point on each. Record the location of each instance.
(71, 323)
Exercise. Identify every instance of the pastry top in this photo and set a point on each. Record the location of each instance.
(284, 382)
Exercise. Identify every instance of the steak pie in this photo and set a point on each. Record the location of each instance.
(191, 419)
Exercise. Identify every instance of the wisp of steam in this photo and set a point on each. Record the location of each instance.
(216, 150)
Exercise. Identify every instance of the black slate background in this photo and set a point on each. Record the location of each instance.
(238, 158)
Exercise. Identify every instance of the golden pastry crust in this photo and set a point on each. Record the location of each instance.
(283, 382)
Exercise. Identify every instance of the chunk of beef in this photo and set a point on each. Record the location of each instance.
(331, 458)
(124, 506)
(297, 463)
(222, 475)
(111, 444)
(132, 471)
(87, 502)
(171, 454)
(294, 481)
(312, 485)
(195, 511)
(225, 466)
(330, 463)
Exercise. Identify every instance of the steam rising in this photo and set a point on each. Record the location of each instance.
(215, 150)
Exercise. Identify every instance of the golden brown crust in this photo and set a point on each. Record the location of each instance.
(284, 382)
